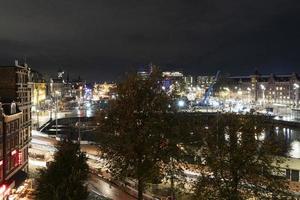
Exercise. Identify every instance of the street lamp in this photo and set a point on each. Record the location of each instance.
(263, 88)
(296, 87)
(79, 108)
(180, 103)
(37, 108)
(249, 92)
(56, 110)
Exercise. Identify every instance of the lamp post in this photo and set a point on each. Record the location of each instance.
(79, 108)
(37, 119)
(56, 110)
(263, 88)
(37, 108)
(296, 87)
(249, 92)
(79, 134)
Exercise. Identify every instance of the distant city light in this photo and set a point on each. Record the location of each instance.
(227, 89)
(180, 103)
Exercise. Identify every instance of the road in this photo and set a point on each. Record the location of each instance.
(96, 184)
(99, 186)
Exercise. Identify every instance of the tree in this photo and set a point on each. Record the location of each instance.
(237, 163)
(173, 167)
(65, 177)
(133, 130)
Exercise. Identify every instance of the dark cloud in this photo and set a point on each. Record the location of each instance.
(100, 39)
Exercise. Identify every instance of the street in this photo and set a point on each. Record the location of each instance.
(95, 184)
(98, 186)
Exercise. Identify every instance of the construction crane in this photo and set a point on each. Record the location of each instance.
(209, 91)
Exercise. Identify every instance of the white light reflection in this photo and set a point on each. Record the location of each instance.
(295, 149)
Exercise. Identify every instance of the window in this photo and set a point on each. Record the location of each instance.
(11, 125)
(294, 175)
(7, 128)
(7, 166)
(288, 174)
(16, 140)
(7, 145)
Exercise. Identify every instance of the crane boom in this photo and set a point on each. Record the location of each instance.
(209, 91)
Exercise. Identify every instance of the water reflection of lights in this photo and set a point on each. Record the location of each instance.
(295, 149)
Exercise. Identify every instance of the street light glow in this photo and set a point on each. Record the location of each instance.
(180, 103)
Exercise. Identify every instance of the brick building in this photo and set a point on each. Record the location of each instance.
(15, 123)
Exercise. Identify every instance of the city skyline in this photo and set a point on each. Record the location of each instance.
(149, 99)
(100, 40)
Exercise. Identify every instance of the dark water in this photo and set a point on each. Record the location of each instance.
(288, 136)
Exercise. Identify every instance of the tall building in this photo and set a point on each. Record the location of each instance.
(39, 89)
(204, 81)
(171, 78)
(15, 86)
(189, 81)
(13, 155)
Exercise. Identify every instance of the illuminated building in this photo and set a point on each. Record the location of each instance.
(39, 91)
(13, 157)
(78, 88)
(171, 80)
(103, 91)
(15, 86)
(264, 89)
(57, 86)
(189, 81)
(39, 94)
(204, 81)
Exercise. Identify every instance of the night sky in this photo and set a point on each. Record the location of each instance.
(101, 39)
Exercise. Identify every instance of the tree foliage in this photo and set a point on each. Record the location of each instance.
(134, 131)
(65, 177)
(236, 162)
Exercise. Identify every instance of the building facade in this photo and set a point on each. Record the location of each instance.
(39, 90)
(15, 88)
(14, 154)
(263, 89)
